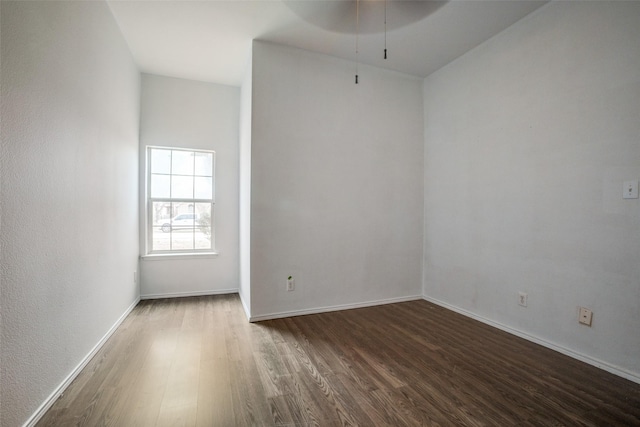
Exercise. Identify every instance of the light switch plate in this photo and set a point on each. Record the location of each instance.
(630, 190)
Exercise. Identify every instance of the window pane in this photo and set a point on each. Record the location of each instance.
(182, 163)
(204, 226)
(160, 161)
(182, 238)
(203, 187)
(160, 186)
(181, 187)
(204, 164)
(161, 226)
(203, 238)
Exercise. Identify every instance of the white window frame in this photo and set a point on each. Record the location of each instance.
(159, 254)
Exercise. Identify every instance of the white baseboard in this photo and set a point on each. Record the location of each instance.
(247, 312)
(537, 340)
(44, 407)
(189, 294)
(332, 308)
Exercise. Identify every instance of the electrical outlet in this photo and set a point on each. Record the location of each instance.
(586, 316)
(291, 284)
(135, 277)
(522, 299)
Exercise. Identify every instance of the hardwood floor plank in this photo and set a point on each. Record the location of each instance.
(397, 352)
(198, 362)
(492, 373)
(318, 385)
(215, 404)
(180, 400)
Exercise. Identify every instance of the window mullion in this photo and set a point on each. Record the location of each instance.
(193, 196)
(172, 213)
(167, 200)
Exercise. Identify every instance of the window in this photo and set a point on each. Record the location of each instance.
(180, 200)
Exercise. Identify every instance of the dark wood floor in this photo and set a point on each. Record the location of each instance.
(198, 362)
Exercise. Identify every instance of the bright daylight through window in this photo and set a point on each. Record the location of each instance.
(180, 200)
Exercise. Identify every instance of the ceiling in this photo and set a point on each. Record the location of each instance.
(211, 40)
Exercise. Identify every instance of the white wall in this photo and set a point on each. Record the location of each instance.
(190, 114)
(528, 139)
(337, 183)
(69, 240)
(246, 93)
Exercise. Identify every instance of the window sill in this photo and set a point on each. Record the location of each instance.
(164, 257)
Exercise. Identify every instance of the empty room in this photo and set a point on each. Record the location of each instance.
(319, 213)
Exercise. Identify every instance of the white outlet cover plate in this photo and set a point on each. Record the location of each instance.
(585, 316)
(630, 190)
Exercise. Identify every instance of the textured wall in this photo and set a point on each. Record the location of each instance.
(337, 182)
(69, 194)
(528, 139)
(190, 114)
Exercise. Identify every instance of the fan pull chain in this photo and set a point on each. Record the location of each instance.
(385, 29)
(357, 35)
